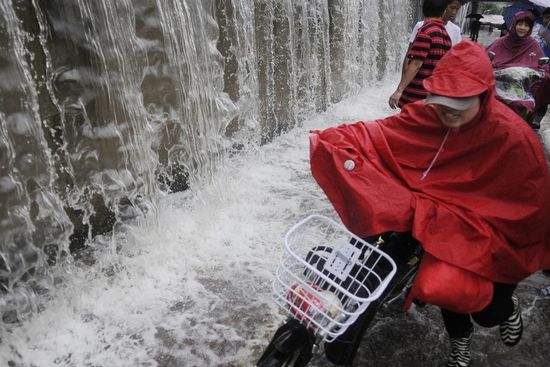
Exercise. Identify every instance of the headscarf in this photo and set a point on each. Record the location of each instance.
(513, 50)
(484, 205)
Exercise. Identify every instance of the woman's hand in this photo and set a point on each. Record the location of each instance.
(394, 98)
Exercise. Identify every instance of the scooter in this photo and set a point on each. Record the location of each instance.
(516, 85)
(331, 284)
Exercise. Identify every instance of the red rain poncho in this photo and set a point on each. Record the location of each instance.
(483, 206)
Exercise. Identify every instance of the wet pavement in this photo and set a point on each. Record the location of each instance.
(422, 341)
(417, 338)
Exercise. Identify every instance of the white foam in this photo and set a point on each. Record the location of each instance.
(192, 285)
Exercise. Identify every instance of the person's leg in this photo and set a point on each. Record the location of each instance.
(500, 308)
(457, 325)
(460, 330)
(504, 311)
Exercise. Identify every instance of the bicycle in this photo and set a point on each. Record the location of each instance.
(328, 279)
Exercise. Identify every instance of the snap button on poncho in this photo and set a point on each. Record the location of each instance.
(349, 165)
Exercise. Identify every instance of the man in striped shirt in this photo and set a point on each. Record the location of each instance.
(429, 46)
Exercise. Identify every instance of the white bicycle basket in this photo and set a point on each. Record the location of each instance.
(328, 276)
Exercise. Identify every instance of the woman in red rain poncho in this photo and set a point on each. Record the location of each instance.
(466, 176)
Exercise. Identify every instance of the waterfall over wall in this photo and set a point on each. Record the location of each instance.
(105, 104)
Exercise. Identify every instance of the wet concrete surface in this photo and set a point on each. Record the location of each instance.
(422, 341)
(417, 337)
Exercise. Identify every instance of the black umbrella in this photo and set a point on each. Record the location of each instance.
(474, 15)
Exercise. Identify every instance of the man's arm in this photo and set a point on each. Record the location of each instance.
(411, 69)
(416, 55)
(406, 60)
(412, 37)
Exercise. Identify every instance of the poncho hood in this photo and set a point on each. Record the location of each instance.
(485, 204)
(464, 72)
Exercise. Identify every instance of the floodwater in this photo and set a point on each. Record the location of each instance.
(191, 285)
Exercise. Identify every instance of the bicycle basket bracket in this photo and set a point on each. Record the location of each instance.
(342, 259)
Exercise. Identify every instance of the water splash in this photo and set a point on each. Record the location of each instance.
(106, 106)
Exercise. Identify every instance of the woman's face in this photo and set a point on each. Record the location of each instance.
(522, 28)
(455, 118)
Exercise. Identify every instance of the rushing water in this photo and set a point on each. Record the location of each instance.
(108, 106)
(189, 286)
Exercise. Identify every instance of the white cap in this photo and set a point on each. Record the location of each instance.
(460, 104)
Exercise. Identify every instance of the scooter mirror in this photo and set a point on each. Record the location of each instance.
(543, 61)
(491, 55)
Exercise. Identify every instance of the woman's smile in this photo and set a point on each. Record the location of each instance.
(455, 118)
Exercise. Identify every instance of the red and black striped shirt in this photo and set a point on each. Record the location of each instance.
(430, 44)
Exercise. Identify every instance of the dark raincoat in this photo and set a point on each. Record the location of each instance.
(476, 197)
